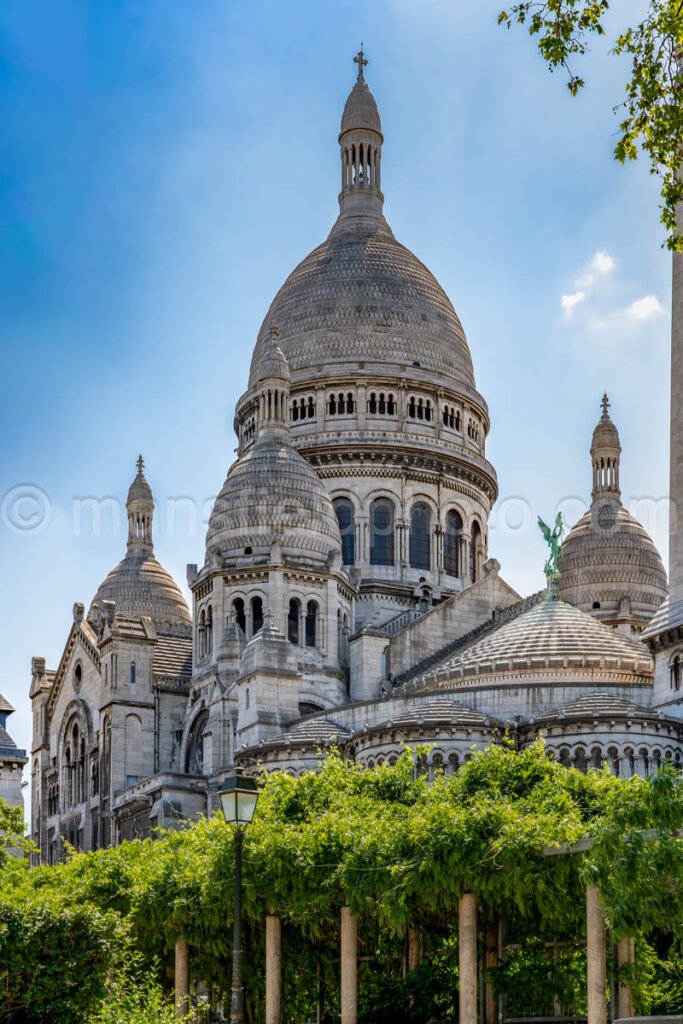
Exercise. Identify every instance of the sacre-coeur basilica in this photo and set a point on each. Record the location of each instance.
(345, 598)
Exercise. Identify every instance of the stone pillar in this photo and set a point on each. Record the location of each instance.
(349, 967)
(467, 952)
(596, 974)
(273, 969)
(414, 948)
(625, 958)
(182, 977)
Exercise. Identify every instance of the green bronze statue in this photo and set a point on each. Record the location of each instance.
(554, 541)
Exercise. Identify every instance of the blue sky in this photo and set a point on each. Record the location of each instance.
(165, 164)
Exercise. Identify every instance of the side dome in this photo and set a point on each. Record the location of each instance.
(139, 584)
(273, 506)
(271, 496)
(609, 565)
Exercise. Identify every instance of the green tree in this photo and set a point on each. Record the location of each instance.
(651, 113)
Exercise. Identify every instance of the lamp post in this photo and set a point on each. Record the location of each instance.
(238, 800)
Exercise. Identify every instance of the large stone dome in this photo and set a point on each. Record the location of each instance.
(362, 300)
(270, 497)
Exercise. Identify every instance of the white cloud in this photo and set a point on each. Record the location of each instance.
(569, 302)
(602, 263)
(645, 308)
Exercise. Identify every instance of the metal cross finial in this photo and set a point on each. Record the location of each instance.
(360, 60)
(605, 404)
(140, 464)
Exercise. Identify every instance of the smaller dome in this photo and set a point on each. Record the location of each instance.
(271, 497)
(605, 434)
(360, 111)
(274, 363)
(608, 558)
(139, 585)
(139, 489)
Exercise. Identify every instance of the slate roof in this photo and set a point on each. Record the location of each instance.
(599, 704)
(173, 657)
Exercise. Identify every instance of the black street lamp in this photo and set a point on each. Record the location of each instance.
(238, 800)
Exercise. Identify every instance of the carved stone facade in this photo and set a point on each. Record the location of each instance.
(346, 597)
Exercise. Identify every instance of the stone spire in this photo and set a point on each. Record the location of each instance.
(606, 455)
(273, 384)
(140, 508)
(360, 141)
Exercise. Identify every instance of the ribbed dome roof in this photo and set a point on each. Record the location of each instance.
(551, 636)
(361, 296)
(141, 586)
(272, 496)
(140, 490)
(605, 434)
(361, 110)
(608, 556)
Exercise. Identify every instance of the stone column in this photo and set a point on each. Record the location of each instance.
(349, 967)
(467, 952)
(182, 977)
(414, 948)
(596, 974)
(273, 969)
(625, 958)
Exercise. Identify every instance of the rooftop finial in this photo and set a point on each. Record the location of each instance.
(605, 405)
(140, 464)
(360, 60)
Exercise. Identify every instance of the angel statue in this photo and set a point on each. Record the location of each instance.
(553, 539)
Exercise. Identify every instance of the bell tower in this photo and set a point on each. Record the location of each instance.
(360, 141)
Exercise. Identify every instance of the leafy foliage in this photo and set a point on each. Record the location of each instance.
(399, 848)
(653, 104)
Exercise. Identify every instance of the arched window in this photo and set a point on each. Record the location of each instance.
(676, 673)
(240, 617)
(451, 544)
(132, 673)
(347, 527)
(382, 532)
(475, 546)
(202, 634)
(209, 629)
(194, 759)
(420, 536)
(293, 618)
(311, 623)
(256, 614)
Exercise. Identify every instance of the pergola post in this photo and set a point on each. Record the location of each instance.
(625, 958)
(490, 964)
(349, 967)
(596, 958)
(467, 954)
(273, 969)
(182, 977)
(414, 948)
